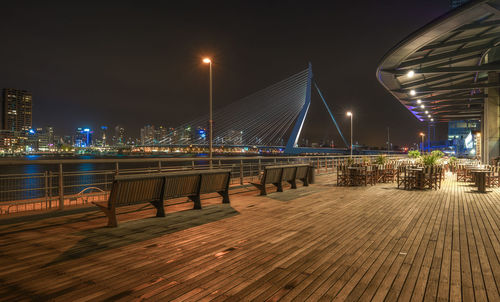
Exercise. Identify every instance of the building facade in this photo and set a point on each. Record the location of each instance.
(17, 110)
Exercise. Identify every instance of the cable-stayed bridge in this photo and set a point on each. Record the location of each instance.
(272, 117)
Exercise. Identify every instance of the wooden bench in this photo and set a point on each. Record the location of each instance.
(277, 174)
(155, 188)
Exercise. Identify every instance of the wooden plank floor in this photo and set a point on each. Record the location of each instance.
(317, 243)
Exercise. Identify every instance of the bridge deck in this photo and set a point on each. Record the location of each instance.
(318, 243)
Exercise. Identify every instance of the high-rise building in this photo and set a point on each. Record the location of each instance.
(83, 137)
(148, 135)
(102, 139)
(457, 3)
(119, 138)
(17, 110)
(161, 134)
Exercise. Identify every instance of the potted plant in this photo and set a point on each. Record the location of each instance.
(381, 159)
(452, 163)
(437, 153)
(414, 154)
(429, 159)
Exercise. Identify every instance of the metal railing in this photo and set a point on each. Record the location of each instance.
(59, 184)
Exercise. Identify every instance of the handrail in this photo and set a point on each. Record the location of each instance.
(167, 159)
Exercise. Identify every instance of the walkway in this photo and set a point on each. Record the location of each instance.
(316, 243)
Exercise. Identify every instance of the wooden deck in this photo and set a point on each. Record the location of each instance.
(316, 243)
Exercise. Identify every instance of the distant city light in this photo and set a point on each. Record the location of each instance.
(432, 120)
(86, 130)
(349, 113)
(426, 112)
(429, 116)
(32, 131)
(410, 74)
(422, 106)
(207, 60)
(419, 101)
(412, 92)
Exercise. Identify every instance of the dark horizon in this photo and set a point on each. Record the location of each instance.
(130, 64)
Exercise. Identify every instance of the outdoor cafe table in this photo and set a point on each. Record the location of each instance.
(419, 177)
(479, 177)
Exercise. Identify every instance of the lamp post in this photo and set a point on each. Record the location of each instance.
(210, 121)
(349, 113)
(422, 135)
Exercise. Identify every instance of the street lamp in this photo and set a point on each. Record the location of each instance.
(349, 113)
(422, 135)
(210, 120)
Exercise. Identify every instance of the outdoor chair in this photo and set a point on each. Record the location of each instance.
(427, 177)
(492, 178)
(342, 175)
(461, 173)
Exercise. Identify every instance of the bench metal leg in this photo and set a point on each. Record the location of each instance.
(110, 214)
(197, 201)
(305, 182)
(279, 186)
(261, 187)
(293, 183)
(160, 209)
(225, 196)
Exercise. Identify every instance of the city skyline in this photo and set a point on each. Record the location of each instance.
(142, 64)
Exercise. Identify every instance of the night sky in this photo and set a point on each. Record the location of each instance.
(139, 62)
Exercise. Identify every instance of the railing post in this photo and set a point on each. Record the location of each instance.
(260, 166)
(317, 165)
(61, 187)
(159, 166)
(220, 164)
(192, 164)
(241, 172)
(46, 188)
(50, 189)
(117, 168)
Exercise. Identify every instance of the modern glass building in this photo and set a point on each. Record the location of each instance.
(448, 71)
(463, 136)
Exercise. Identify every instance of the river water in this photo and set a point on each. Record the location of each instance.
(28, 181)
